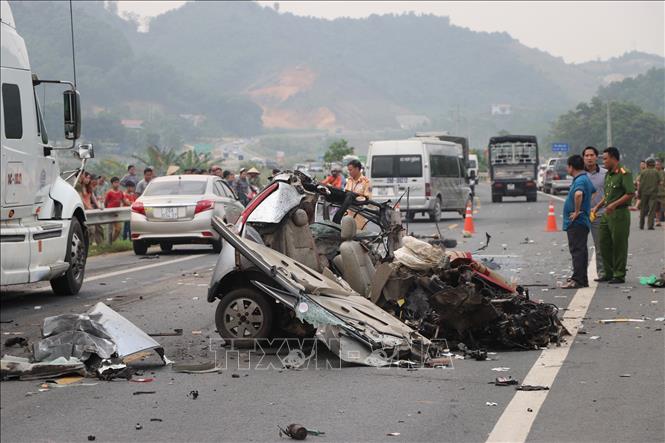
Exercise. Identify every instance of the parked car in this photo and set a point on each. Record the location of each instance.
(541, 176)
(556, 176)
(178, 209)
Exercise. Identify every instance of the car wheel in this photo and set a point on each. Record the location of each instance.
(497, 199)
(217, 246)
(77, 254)
(435, 214)
(532, 197)
(166, 247)
(244, 315)
(410, 216)
(140, 247)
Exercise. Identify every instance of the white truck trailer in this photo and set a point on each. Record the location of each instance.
(43, 235)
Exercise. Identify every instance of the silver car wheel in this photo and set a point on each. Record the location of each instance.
(243, 317)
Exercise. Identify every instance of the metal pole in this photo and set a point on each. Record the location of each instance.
(609, 125)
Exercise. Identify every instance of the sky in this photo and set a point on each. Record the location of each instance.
(576, 31)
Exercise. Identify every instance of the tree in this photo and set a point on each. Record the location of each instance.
(193, 160)
(158, 159)
(636, 133)
(337, 150)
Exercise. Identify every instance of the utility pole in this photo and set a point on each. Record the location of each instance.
(609, 125)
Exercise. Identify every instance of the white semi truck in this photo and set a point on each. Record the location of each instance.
(43, 235)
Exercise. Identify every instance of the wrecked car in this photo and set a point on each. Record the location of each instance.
(314, 230)
(263, 291)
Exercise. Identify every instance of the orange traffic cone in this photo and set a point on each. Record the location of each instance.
(551, 219)
(468, 221)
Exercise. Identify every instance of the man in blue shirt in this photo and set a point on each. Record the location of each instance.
(576, 221)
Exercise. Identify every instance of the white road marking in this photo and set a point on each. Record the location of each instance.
(556, 197)
(516, 421)
(140, 268)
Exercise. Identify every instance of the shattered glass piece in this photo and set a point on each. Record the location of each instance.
(316, 316)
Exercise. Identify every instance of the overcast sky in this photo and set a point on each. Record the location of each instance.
(576, 31)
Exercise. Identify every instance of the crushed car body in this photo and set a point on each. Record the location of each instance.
(307, 302)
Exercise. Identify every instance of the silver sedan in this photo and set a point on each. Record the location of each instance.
(178, 209)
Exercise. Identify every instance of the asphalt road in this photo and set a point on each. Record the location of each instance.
(589, 399)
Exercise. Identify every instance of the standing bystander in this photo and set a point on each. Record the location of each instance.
(130, 197)
(576, 223)
(648, 193)
(130, 177)
(147, 177)
(597, 177)
(615, 222)
(115, 199)
(660, 204)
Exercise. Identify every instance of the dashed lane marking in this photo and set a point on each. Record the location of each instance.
(556, 197)
(516, 421)
(139, 268)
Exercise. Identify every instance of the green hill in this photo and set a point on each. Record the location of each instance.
(248, 69)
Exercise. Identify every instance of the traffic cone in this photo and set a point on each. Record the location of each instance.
(468, 221)
(551, 219)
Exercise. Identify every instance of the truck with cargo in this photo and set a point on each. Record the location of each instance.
(513, 167)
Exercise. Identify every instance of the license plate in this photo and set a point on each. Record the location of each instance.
(511, 187)
(170, 213)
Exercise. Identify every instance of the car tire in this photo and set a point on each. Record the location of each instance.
(240, 328)
(410, 216)
(497, 198)
(166, 247)
(435, 213)
(217, 246)
(76, 255)
(532, 197)
(140, 247)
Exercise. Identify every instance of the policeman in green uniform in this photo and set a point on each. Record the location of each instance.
(648, 193)
(615, 222)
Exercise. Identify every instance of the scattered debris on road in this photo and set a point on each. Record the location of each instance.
(504, 381)
(532, 388)
(298, 432)
(16, 341)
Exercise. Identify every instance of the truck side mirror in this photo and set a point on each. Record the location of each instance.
(86, 151)
(72, 105)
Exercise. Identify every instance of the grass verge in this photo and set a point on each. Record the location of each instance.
(105, 248)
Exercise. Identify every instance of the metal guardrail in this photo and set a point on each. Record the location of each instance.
(105, 216)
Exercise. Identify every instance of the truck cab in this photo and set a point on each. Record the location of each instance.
(42, 221)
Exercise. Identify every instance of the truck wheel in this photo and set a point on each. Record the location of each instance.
(244, 315)
(77, 253)
(497, 198)
(166, 246)
(140, 247)
(435, 214)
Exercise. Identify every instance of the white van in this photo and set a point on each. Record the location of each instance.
(472, 165)
(432, 170)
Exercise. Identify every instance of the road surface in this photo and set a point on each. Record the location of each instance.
(608, 388)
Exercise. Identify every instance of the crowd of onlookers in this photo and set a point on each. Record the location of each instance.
(98, 193)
